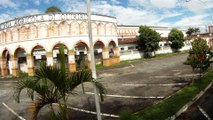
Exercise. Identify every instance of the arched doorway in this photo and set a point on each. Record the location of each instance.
(81, 58)
(39, 55)
(20, 54)
(112, 46)
(56, 59)
(6, 67)
(98, 48)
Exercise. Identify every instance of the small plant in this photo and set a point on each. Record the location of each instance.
(23, 74)
(200, 55)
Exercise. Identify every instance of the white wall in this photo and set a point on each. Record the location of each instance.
(135, 54)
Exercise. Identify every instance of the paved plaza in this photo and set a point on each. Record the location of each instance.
(130, 88)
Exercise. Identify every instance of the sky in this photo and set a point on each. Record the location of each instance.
(168, 13)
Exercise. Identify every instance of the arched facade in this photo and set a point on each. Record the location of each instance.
(38, 39)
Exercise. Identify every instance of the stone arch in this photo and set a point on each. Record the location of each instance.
(98, 51)
(4, 36)
(94, 29)
(55, 51)
(15, 34)
(75, 28)
(112, 46)
(23, 33)
(109, 29)
(81, 54)
(20, 55)
(42, 30)
(81, 43)
(5, 62)
(33, 31)
(9, 35)
(114, 30)
(5, 49)
(113, 43)
(52, 29)
(59, 43)
(83, 28)
(64, 28)
(101, 29)
(38, 54)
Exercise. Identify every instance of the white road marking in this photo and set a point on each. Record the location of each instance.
(144, 85)
(204, 113)
(131, 65)
(167, 76)
(91, 112)
(131, 97)
(12, 111)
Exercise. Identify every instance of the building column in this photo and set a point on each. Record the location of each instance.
(30, 65)
(89, 60)
(4, 70)
(71, 61)
(105, 55)
(49, 58)
(14, 66)
(116, 55)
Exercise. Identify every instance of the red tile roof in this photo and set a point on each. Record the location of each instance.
(126, 40)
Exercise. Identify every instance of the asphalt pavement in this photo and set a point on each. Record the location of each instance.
(130, 88)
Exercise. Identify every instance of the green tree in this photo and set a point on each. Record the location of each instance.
(53, 9)
(192, 31)
(177, 38)
(53, 84)
(148, 40)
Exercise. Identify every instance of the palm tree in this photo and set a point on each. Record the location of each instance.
(53, 85)
(52, 9)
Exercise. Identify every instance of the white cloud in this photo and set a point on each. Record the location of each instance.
(192, 21)
(164, 3)
(8, 3)
(37, 2)
(4, 17)
(11, 15)
(31, 12)
(115, 2)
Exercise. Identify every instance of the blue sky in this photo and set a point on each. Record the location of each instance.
(170, 13)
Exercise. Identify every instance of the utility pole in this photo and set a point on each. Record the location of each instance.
(94, 75)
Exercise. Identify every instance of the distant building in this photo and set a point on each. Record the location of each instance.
(26, 41)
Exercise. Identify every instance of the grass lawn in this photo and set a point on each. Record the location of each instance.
(168, 107)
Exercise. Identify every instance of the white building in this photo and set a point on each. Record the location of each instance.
(26, 41)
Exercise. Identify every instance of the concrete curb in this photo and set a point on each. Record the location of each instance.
(185, 107)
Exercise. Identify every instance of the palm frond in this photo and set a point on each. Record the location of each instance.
(101, 89)
(82, 76)
(50, 73)
(22, 84)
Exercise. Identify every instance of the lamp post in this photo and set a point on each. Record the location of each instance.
(94, 75)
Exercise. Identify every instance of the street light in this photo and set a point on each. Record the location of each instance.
(94, 75)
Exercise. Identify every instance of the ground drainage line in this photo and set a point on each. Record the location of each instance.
(204, 113)
(91, 112)
(12, 111)
(8, 81)
(186, 106)
(144, 85)
(132, 97)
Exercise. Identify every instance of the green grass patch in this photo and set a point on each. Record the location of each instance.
(99, 66)
(168, 107)
(128, 61)
(171, 54)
